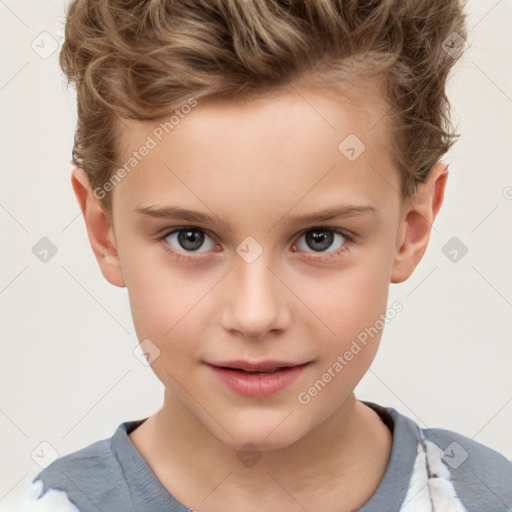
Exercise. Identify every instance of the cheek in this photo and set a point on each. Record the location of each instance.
(159, 294)
(351, 307)
(348, 337)
(164, 311)
(168, 308)
(164, 303)
(350, 300)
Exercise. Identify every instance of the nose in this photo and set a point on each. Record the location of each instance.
(256, 300)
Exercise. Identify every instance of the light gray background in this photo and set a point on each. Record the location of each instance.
(68, 375)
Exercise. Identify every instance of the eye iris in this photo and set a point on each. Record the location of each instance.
(325, 238)
(187, 237)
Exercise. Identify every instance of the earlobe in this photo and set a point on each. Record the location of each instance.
(99, 229)
(416, 223)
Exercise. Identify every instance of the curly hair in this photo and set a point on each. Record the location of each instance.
(141, 59)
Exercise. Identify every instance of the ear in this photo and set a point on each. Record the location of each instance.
(416, 223)
(99, 229)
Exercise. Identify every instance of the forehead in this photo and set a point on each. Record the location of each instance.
(277, 148)
(361, 110)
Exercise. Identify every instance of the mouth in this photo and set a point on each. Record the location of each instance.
(260, 379)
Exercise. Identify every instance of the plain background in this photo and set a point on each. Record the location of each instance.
(68, 374)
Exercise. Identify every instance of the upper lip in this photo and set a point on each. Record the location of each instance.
(260, 366)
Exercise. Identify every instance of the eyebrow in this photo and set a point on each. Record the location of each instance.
(176, 212)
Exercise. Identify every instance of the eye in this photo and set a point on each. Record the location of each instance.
(181, 241)
(321, 238)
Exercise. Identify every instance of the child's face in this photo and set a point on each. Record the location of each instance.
(258, 167)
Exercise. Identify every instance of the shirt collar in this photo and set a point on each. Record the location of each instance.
(148, 493)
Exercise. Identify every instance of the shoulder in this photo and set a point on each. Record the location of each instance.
(87, 479)
(87, 466)
(30, 500)
(444, 470)
(481, 476)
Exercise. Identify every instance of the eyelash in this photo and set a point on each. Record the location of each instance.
(349, 239)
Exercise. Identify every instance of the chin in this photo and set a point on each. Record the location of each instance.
(262, 436)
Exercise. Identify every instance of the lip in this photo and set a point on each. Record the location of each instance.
(257, 384)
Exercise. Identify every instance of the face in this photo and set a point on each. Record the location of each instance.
(257, 278)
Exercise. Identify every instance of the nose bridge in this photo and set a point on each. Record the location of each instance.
(256, 303)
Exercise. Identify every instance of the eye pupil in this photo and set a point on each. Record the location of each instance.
(323, 238)
(190, 237)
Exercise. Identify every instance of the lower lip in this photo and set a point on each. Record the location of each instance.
(258, 384)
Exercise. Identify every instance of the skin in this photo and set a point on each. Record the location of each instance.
(253, 163)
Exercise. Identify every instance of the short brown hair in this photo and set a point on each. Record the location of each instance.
(141, 59)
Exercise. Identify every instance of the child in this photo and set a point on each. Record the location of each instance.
(220, 141)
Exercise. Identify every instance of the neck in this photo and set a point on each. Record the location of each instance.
(347, 454)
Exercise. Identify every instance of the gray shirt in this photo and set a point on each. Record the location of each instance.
(429, 470)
